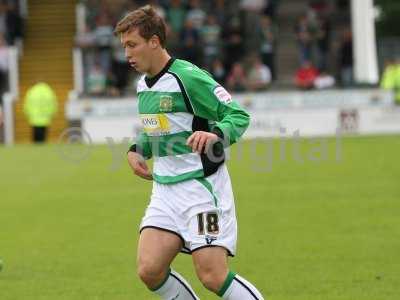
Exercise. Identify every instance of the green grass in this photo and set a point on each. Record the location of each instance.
(311, 230)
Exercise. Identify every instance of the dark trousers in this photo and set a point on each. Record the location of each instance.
(39, 134)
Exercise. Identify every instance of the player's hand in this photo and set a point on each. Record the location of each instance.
(200, 141)
(139, 166)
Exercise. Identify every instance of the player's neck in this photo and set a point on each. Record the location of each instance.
(159, 62)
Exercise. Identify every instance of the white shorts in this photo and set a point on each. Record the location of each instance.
(200, 211)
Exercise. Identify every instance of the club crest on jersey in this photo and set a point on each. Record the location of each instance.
(222, 95)
(166, 104)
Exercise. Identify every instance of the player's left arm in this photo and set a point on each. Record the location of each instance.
(211, 101)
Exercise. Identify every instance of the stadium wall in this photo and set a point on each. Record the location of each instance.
(274, 114)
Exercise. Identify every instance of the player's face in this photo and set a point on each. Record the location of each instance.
(137, 50)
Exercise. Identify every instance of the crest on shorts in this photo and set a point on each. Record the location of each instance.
(166, 103)
(210, 239)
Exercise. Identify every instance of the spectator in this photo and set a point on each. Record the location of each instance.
(251, 11)
(267, 44)
(236, 80)
(324, 81)
(304, 39)
(92, 12)
(40, 106)
(253, 5)
(196, 14)
(96, 82)
(234, 43)
(120, 68)
(259, 77)
(388, 80)
(312, 20)
(319, 6)
(190, 40)
(346, 58)
(391, 78)
(176, 15)
(13, 23)
(218, 71)
(220, 11)
(210, 36)
(3, 67)
(85, 41)
(103, 35)
(3, 18)
(306, 75)
(270, 9)
(323, 39)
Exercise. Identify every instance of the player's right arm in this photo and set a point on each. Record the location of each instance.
(137, 155)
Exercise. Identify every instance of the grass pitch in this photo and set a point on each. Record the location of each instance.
(317, 221)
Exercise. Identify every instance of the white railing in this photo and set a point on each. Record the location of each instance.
(10, 97)
(80, 13)
(73, 96)
(364, 40)
(13, 77)
(78, 71)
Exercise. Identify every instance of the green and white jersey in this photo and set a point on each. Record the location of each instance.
(178, 101)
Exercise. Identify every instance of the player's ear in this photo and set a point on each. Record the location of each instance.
(154, 42)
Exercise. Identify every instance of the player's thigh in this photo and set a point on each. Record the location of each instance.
(157, 249)
(211, 264)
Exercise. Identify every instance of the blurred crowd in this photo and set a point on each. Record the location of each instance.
(314, 31)
(234, 40)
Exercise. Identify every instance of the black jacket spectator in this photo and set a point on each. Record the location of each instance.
(14, 25)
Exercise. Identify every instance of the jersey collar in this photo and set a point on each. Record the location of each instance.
(150, 81)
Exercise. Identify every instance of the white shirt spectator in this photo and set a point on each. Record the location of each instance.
(197, 16)
(259, 77)
(324, 81)
(253, 5)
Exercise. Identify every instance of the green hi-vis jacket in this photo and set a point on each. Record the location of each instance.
(40, 104)
(391, 80)
(178, 101)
